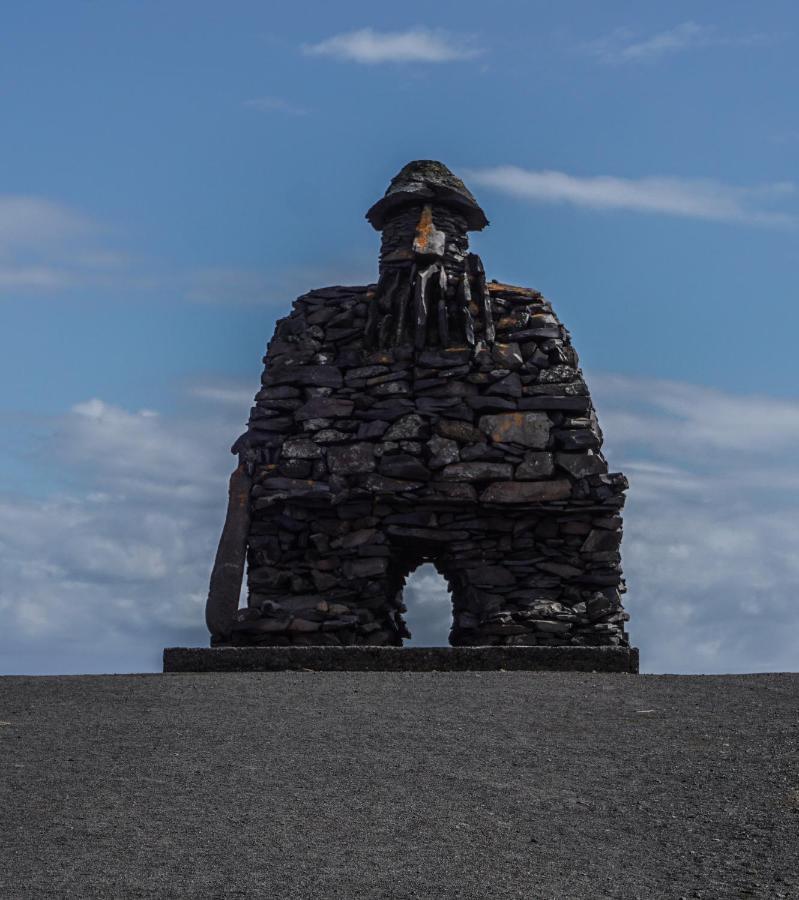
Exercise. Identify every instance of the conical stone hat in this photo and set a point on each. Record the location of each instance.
(427, 181)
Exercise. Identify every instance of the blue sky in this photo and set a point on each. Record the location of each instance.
(172, 175)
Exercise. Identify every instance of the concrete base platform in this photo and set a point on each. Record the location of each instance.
(400, 659)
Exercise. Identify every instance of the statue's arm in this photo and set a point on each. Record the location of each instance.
(231, 554)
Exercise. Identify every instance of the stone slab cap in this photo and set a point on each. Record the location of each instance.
(427, 181)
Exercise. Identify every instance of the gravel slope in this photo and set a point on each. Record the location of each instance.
(400, 785)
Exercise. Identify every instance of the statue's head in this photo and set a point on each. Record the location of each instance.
(425, 215)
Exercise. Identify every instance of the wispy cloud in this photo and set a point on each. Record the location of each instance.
(624, 45)
(45, 246)
(711, 557)
(103, 573)
(370, 47)
(276, 104)
(688, 197)
(232, 395)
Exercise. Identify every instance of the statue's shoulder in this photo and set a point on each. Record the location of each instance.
(500, 290)
(335, 294)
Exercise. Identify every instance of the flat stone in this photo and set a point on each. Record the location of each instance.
(462, 432)
(383, 484)
(477, 471)
(578, 465)
(351, 459)
(330, 436)
(367, 568)
(508, 355)
(403, 465)
(410, 427)
(577, 438)
(509, 386)
(262, 626)
(301, 448)
(600, 539)
(537, 464)
(530, 429)
(292, 485)
(303, 625)
(492, 576)
(324, 408)
(456, 490)
(364, 372)
(550, 627)
(319, 376)
(357, 538)
(490, 404)
(482, 452)
(368, 431)
(436, 535)
(564, 570)
(526, 492)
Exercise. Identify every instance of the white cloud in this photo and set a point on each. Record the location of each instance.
(25, 220)
(710, 552)
(625, 46)
(103, 573)
(276, 104)
(686, 197)
(233, 395)
(45, 246)
(414, 45)
(429, 607)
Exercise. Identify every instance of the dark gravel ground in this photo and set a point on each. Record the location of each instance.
(350, 785)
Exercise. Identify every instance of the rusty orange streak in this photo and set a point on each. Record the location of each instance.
(424, 228)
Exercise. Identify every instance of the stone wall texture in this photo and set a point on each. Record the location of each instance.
(460, 433)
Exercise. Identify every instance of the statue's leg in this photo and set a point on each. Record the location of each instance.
(225, 586)
(320, 576)
(536, 579)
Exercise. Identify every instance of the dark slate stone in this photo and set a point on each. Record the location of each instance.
(462, 432)
(481, 451)
(536, 465)
(509, 386)
(301, 448)
(324, 408)
(526, 492)
(477, 471)
(410, 427)
(577, 439)
(490, 404)
(319, 376)
(351, 459)
(578, 465)
(368, 431)
(600, 539)
(382, 484)
(403, 465)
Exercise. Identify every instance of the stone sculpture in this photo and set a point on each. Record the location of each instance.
(433, 416)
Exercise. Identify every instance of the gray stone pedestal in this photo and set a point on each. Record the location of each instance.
(400, 659)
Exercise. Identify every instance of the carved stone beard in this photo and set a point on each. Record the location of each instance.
(431, 291)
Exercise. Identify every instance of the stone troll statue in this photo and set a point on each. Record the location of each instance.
(431, 417)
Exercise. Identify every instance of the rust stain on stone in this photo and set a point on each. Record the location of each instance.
(424, 229)
(505, 425)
